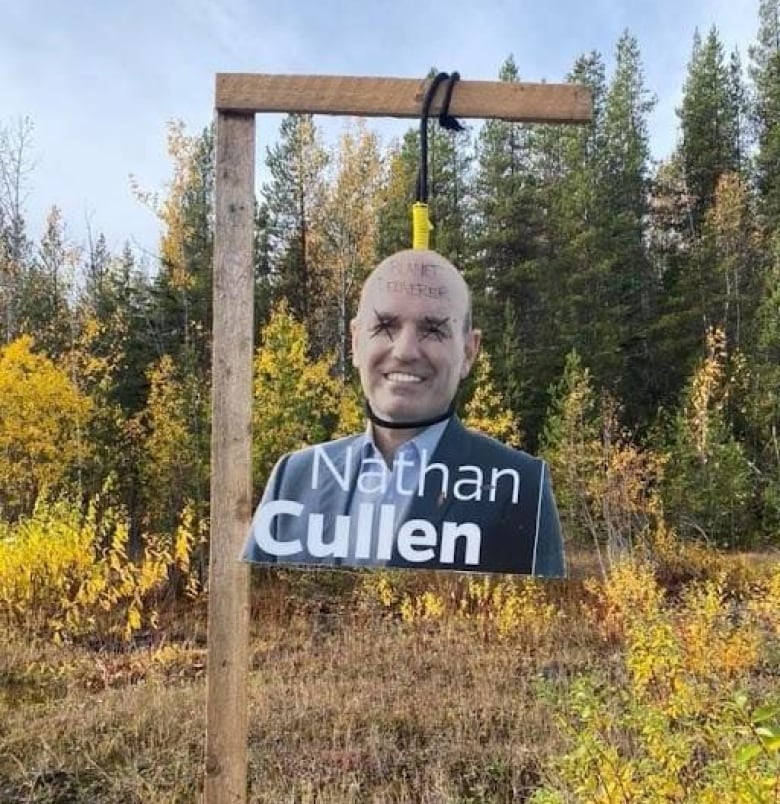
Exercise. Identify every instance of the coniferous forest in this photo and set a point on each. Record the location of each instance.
(653, 286)
(630, 311)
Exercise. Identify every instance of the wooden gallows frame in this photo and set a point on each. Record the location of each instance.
(239, 97)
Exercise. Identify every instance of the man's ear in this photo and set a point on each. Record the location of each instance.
(353, 328)
(470, 351)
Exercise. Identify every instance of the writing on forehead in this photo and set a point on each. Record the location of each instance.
(429, 270)
(417, 289)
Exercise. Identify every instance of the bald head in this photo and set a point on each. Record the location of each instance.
(422, 275)
(412, 340)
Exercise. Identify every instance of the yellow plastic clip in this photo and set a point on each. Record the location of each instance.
(421, 225)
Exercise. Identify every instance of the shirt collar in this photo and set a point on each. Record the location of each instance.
(426, 440)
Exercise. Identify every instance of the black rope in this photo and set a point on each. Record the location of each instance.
(420, 423)
(445, 121)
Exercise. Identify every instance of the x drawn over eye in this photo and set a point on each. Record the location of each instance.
(434, 328)
(385, 325)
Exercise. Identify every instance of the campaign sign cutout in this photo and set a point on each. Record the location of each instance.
(472, 505)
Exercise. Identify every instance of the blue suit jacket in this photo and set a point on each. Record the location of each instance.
(520, 532)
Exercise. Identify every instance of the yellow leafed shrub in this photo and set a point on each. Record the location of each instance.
(679, 724)
(66, 575)
(513, 607)
(425, 606)
(678, 561)
(630, 590)
(517, 609)
(296, 400)
(717, 642)
(486, 411)
(764, 603)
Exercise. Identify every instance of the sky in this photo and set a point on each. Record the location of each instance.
(100, 79)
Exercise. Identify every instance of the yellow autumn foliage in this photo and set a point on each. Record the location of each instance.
(486, 411)
(507, 608)
(351, 415)
(296, 401)
(679, 725)
(182, 148)
(42, 418)
(174, 465)
(65, 574)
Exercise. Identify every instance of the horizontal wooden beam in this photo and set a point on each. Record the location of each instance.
(401, 97)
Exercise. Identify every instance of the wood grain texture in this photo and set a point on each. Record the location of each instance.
(401, 97)
(231, 503)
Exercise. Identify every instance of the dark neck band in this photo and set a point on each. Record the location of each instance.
(409, 425)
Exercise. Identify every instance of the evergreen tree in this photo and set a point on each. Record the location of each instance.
(449, 165)
(182, 290)
(678, 326)
(45, 285)
(696, 264)
(569, 168)
(599, 285)
(570, 444)
(740, 103)
(263, 278)
(113, 319)
(765, 73)
(710, 117)
(623, 276)
(506, 218)
(294, 198)
(763, 401)
(449, 168)
(114, 347)
(507, 225)
(125, 310)
(98, 258)
(510, 372)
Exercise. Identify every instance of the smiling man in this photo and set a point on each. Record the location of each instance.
(416, 489)
(412, 343)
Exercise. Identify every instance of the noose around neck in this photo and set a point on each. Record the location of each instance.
(414, 425)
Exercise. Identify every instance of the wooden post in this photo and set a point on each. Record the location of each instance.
(238, 98)
(231, 489)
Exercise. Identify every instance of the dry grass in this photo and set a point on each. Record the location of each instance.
(347, 705)
(384, 711)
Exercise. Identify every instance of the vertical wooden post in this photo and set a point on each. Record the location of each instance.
(231, 491)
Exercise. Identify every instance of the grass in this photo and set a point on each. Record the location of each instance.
(349, 702)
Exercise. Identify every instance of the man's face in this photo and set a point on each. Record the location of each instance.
(408, 339)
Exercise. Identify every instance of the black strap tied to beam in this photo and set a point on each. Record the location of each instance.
(445, 121)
